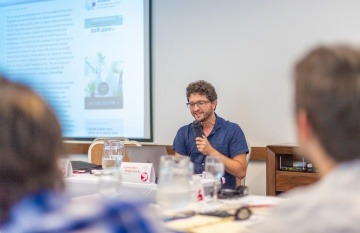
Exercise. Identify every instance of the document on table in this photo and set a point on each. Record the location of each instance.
(259, 205)
(207, 224)
(186, 224)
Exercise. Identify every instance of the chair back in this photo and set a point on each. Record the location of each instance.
(96, 148)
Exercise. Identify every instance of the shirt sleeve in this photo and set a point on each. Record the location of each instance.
(179, 144)
(238, 144)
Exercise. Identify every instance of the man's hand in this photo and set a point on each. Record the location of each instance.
(204, 146)
(236, 166)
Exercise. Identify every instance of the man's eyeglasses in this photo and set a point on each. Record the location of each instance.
(200, 104)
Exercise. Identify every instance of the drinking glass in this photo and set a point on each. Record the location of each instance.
(214, 169)
(112, 157)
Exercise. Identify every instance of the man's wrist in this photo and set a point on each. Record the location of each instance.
(215, 153)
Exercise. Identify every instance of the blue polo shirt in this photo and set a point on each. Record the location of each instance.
(226, 137)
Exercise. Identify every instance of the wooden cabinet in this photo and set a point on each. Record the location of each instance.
(277, 180)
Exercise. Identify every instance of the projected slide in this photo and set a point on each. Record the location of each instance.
(88, 58)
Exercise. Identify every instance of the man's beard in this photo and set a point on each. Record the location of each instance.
(206, 115)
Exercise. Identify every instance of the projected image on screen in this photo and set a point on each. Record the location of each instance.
(88, 58)
(103, 91)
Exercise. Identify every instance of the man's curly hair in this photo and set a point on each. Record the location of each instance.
(201, 87)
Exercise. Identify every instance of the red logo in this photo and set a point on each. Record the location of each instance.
(144, 176)
(200, 196)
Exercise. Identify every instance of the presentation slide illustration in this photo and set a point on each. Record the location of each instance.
(87, 58)
(104, 83)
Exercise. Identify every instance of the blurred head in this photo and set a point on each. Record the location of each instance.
(30, 143)
(327, 99)
(202, 99)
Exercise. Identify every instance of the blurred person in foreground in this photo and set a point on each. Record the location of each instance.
(327, 99)
(31, 188)
(219, 137)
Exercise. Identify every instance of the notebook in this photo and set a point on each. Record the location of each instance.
(146, 154)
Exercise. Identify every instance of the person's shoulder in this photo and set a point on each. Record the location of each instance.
(185, 128)
(281, 217)
(316, 204)
(319, 210)
(229, 124)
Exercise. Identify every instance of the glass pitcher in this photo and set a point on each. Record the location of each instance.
(174, 190)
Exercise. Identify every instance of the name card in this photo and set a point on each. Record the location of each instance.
(138, 172)
(65, 167)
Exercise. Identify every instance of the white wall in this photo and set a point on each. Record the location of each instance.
(246, 49)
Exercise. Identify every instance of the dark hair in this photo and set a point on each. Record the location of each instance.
(328, 89)
(30, 144)
(203, 88)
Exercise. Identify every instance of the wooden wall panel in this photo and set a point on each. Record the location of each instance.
(257, 153)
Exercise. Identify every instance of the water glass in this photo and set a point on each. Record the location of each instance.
(214, 169)
(113, 153)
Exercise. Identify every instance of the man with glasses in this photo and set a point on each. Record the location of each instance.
(219, 137)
